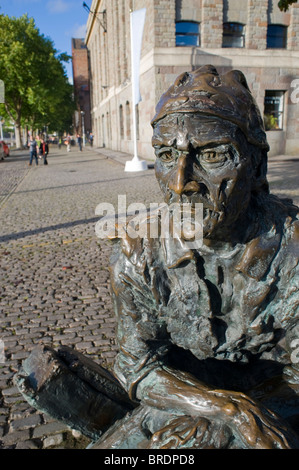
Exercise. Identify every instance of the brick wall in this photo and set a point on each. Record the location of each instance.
(164, 32)
(211, 25)
(80, 62)
(256, 28)
(81, 78)
(185, 10)
(293, 30)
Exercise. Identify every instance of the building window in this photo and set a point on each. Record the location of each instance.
(187, 33)
(233, 35)
(273, 110)
(103, 131)
(121, 122)
(128, 120)
(108, 126)
(276, 36)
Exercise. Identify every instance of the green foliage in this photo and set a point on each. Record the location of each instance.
(37, 91)
(284, 4)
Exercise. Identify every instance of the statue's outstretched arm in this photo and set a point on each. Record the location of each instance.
(256, 426)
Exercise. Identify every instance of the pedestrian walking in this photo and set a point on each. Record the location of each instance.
(91, 139)
(40, 150)
(33, 150)
(44, 150)
(79, 140)
(38, 141)
(68, 143)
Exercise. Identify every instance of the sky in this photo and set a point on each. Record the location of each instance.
(59, 20)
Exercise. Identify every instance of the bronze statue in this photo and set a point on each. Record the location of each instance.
(208, 337)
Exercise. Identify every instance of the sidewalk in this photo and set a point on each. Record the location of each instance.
(283, 173)
(120, 157)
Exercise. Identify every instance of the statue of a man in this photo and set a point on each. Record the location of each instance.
(200, 330)
(208, 335)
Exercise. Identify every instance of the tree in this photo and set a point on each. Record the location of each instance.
(37, 91)
(284, 4)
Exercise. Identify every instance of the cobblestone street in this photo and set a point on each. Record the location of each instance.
(54, 272)
(54, 276)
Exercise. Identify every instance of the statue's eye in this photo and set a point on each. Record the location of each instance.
(167, 156)
(213, 157)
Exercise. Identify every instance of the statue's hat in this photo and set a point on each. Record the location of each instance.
(224, 96)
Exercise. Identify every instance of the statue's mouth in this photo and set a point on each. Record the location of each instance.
(211, 214)
(213, 211)
(197, 193)
(211, 219)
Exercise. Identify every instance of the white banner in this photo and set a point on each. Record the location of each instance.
(137, 19)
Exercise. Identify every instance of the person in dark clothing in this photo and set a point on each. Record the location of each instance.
(44, 150)
(79, 140)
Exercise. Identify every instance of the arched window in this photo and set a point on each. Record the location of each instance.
(187, 33)
(128, 120)
(108, 126)
(277, 36)
(103, 131)
(233, 35)
(121, 122)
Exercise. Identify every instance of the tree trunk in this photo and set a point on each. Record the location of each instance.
(17, 123)
(18, 135)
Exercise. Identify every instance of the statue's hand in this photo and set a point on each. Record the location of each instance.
(191, 432)
(179, 393)
(256, 426)
(239, 423)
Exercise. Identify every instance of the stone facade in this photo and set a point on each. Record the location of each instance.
(211, 25)
(161, 61)
(256, 28)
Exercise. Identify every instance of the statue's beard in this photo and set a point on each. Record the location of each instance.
(213, 213)
(211, 220)
(218, 218)
(223, 205)
(222, 224)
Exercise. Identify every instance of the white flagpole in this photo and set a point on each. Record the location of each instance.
(136, 28)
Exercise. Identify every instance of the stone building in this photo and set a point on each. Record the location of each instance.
(180, 35)
(82, 117)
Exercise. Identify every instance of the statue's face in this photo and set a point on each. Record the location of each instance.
(200, 160)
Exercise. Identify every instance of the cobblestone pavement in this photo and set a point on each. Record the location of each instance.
(54, 285)
(54, 273)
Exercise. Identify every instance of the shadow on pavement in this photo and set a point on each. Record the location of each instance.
(27, 233)
(78, 184)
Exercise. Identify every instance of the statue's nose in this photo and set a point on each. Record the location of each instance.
(178, 178)
(182, 179)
